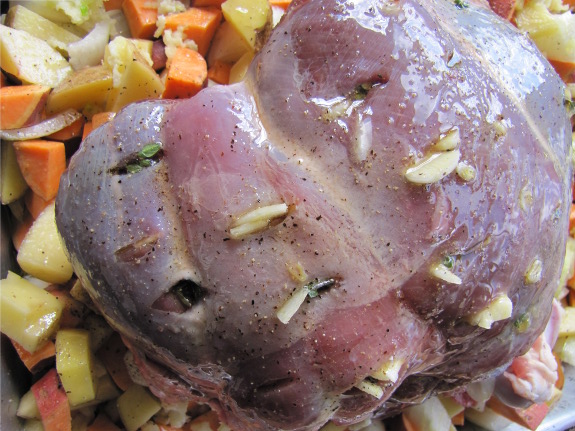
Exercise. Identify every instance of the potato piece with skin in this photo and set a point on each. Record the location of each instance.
(85, 88)
(74, 363)
(31, 59)
(28, 314)
(42, 254)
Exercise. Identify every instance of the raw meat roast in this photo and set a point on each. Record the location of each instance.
(375, 214)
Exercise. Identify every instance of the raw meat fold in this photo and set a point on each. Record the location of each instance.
(375, 214)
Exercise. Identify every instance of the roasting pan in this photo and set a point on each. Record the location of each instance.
(14, 378)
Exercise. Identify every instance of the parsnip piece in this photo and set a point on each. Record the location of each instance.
(12, 183)
(31, 59)
(41, 253)
(22, 18)
(74, 363)
(28, 314)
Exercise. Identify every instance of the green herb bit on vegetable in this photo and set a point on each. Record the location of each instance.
(522, 323)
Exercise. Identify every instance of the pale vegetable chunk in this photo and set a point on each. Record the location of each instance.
(85, 89)
(41, 253)
(428, 416)
(75, 365)
(31, 59)
(250, 18)
(12, 183)
(28, 314)
(22, 18)
(136, 406)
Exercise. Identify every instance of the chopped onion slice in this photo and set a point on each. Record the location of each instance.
(43, 128)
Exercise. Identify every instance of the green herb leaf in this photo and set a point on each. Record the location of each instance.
(461, 4)
(133, 168)
(448, 261)
(150, 150)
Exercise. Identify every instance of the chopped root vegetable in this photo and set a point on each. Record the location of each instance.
(186, 75)
(219, 72)
(503, 8)
(198, 24)
(70, 132)
(112, 356)
(35, 361)
(35, 204)
(22, 105)
(41, 163)
(141, 16)
(113, 4)
(280, 3)
(530, 417)
(52, 403)
(20, 231)
(101, 118)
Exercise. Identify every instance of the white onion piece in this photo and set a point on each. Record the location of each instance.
(43, 128)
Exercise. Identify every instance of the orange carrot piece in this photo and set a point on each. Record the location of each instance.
(102, 423)
(113, 4)
(101, 118)
(529, 417)
(35, 361)
(198, 24)
(41, 163)
(572, 220)
(504, 8)
(88, 127)
(186, 75)
(220, 72)
(280, 3)
(22, 105)
(141, 16)
(112, 356)
(206, 3)
(52, 402)
(20, 231)
(563, 69)
(458, 419)
(70, 132)
(35, 203)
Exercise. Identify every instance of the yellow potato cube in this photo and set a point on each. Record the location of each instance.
(28, 314)
(12, 183)
(567, 326)
(136, 406)
(41, 253)
(250, 18)
(74, 364)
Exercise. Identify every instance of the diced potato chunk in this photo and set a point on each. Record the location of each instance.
(136, 406)
(41, 253)
(85, 89)
(567, 326)
(31, 59)
(250, 18)
(12, 186)
(28, 314)
(74, 365)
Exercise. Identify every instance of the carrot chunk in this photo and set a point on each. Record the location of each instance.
(141, 16)
(113, 4)
(34, 361)
(198, 24)
(280, 3)
(52, 402)
(220, 72)
(186, 75)
(41, 163)
(35, 204)
(101, 118)
(70, 132)
(22, 105)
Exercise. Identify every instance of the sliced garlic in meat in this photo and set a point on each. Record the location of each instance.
(297, 272)
(433, 168)
(444, 273)
(465, 171)
(292, 305)
(534, 272)
(389, 371)
(363, 139)
(448, 141)
(257, 220)
(370, 388)
(499, 309)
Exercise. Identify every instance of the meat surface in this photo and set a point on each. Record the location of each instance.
(400, 166)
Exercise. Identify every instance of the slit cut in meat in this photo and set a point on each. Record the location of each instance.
(181, 297)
